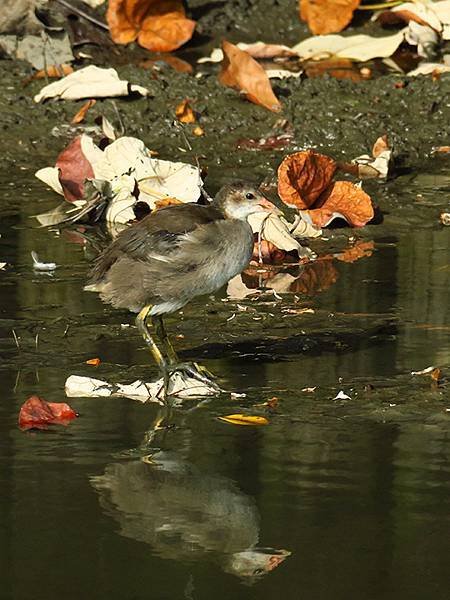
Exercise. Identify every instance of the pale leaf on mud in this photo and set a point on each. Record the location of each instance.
(89, 82)
(256, 50)
(327, 16)
(184, 112)
(240, 71)
(158, 25)
(434, 14)
(239, 419)
(372, 167)
(429, 69)
(355, 47)
(342, 200)
(81, 114)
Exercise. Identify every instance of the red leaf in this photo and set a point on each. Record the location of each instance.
(74, 169)
(36, 413)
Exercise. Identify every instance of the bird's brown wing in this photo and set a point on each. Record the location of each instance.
(157, 235)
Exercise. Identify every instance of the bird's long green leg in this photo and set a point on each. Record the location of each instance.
(141, 324)
(162, 335)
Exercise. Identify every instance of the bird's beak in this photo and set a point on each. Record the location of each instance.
(267, 206)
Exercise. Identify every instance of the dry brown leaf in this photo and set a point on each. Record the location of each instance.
(166, 202)
(267, 251)
(198, 131)
(390, 17)
(442, 149)
(436, 374)
(74, 169)
(184, 112)
(262, 50)
(380, 146)
(158, 25)
(347, 200)
(81, 114)
(240, 71)
(239, 419)
(53, 71)
(93, 362)
(176, 63)
(327, 16)
(339, 68)
(303, 176)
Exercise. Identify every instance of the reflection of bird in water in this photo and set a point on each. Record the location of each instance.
(186, 515)
(159, 264)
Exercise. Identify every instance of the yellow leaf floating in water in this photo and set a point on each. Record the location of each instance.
(244, 420)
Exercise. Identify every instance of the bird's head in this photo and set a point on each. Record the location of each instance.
(239, 200)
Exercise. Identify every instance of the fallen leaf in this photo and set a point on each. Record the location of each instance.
(345, 200)
(89, 82)
(426, 371)
(93, 362)
(240, 71)
(184, 112)
(442, 149)
(380, 145)
(166, 202)
(262, 50)
(316, 277)
(53, 71)
(81, 114)
(272, 403)
(74, 169)
(436, 374)
(239, 419)
(303, 176)
(371, 167)
(432, 69)
(327, 16)
(37, 413)
(180, 65)
(444, 218)
(198, 131)
(356, 47)
(339, 68)
(309, 390)
(341, 396)
(158, 25)
(41, 266)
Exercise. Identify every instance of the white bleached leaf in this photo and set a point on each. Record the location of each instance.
(50, 176)
(341, 396)
(41, 266)
(373, 168)
(282, 73)
(424, 37)
(355, 47)
(429, 69)
(273, 229)
(89, 82)
(302, 229)
(423, 371)
(181, 386)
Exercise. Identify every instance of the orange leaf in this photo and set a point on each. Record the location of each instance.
(303, 176)
(184, 112)
(381, 144)
(37, 413)
(327, 16)
(166, 202)
(158, 25)
(173, 61)
(94, 362)
(79, 117)
(198, 131)
(240, 71)
(339, 68)
(51, 71)
(346, 200)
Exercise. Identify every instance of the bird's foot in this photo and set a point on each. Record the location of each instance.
(193, 370)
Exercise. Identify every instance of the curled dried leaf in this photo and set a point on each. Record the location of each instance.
(94, 362)
(74, 169)
(158, 25)
(327, 16)
(81, 114)
(198, 131)
(37, 413)
(303, 176)
(239, 419)
(53, 71)
(380, 146)
(345, 200)
(184, 112)
(240, 71)
(166, 202)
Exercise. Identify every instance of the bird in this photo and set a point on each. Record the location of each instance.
(159, 264)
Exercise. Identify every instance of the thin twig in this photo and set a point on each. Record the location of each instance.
(16, 339)
(83, 14)
(122, 127)
(189, 147)
(36, 340)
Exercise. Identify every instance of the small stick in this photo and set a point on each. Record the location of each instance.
(189, 147)
(16, 339)
(122, 127)
(83, 14)
(36, 340)
(66, 330)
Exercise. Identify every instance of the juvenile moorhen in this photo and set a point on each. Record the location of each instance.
(159, 264)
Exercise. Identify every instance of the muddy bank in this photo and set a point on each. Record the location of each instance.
(339, 117)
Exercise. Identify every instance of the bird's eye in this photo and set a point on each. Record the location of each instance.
(250, 196)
